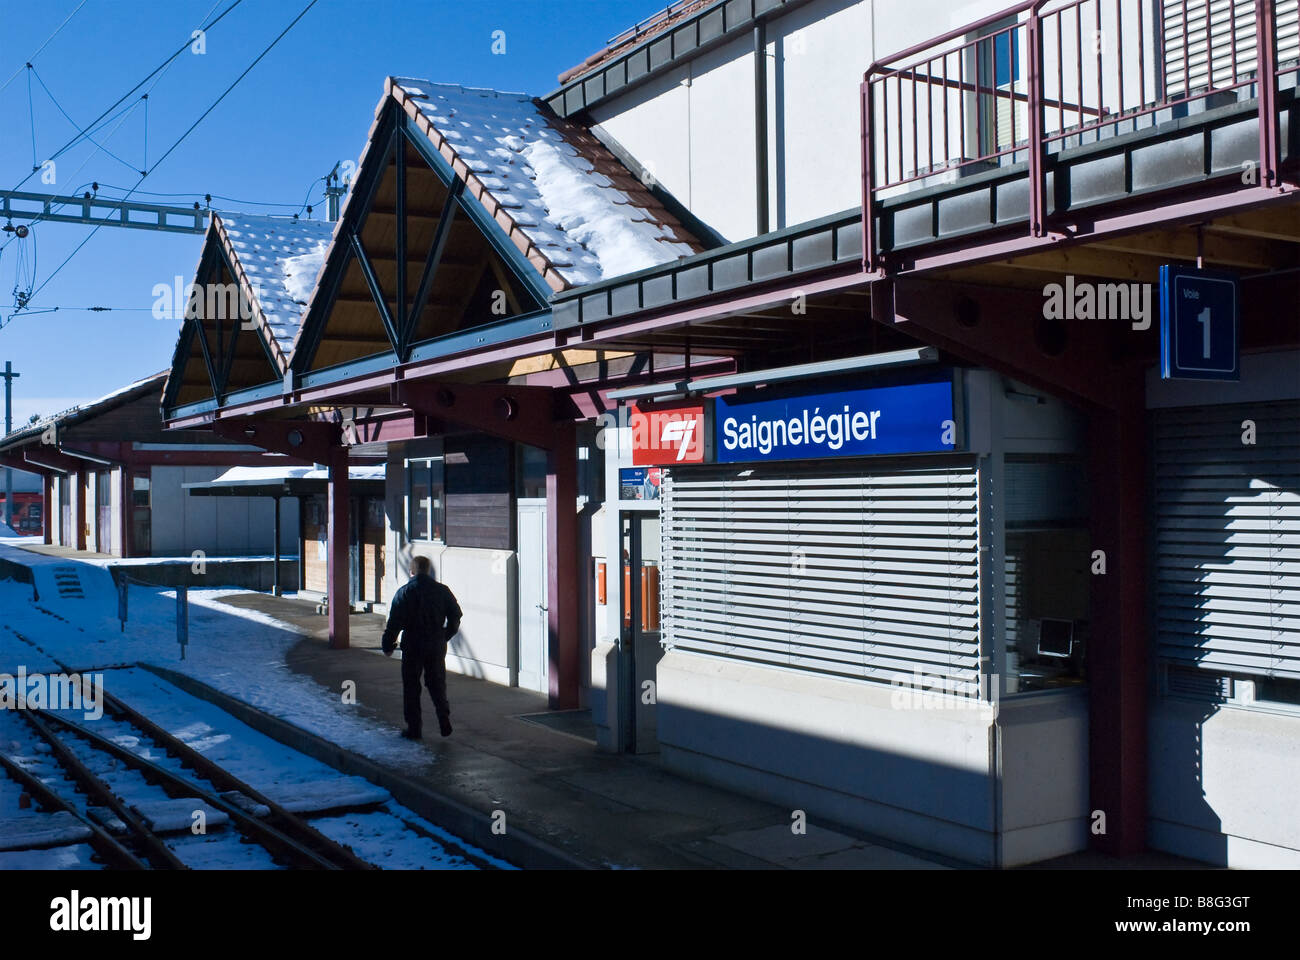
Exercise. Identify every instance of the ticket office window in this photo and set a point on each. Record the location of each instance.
(1047, 575)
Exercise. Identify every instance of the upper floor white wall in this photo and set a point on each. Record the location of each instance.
(693, 127)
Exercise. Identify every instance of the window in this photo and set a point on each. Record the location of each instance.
(532, 472)
(1046, 574)
(140, 489)
(425, 499)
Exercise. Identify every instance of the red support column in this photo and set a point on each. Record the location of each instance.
(47, 516)
(339, 595)
(1117, 658)
(562, 568)
(79, 498)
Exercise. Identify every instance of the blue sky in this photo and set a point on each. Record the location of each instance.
(307, 105)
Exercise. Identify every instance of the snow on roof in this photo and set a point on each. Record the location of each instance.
(83, 409)
(279, 259)
(585, 223)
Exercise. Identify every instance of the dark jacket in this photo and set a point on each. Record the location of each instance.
(425, 612)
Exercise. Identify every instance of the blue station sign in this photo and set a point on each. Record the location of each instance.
(1198, 325)
(907, 418)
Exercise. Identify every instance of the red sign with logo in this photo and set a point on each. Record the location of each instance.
(664, 436)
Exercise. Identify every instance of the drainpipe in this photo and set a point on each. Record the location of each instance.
(760, 123)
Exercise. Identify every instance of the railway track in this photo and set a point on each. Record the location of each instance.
(288, 838)
(93, 775)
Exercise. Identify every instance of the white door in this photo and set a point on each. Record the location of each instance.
(532, 595)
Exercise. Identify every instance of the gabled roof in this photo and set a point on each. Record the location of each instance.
(277, 261)
(566, 202)
(274, 261)
(152, 384)
(652, 26)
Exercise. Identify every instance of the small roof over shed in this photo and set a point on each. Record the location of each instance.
(285, 481)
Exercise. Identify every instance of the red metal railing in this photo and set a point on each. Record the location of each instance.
(1034, 77)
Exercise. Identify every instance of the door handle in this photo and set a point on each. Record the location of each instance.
(543, 607)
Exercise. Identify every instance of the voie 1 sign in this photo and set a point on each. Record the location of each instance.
(1198, 325)
(908, 418)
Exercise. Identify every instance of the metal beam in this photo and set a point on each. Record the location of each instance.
(1004, 329)
(376, 291)
(431, 263)
(305, 441)
(519, 413)
(20, 205)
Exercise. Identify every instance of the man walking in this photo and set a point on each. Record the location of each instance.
(427, 615)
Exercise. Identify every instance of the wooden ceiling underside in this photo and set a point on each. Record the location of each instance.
(827, 325)
(229, 340)
(464, 290)
(1254, 242)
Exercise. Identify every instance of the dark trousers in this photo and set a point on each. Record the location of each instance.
(431, 663)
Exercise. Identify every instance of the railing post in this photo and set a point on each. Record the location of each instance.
(1035, 146)
(1266, 80)
(869, 258)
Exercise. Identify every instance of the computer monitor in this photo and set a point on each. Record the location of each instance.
(1055, 637)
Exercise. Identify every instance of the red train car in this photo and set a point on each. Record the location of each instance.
(29, 513)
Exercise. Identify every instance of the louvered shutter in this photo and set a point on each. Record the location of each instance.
(1210, 56)
(1228, 538)
(866, 572)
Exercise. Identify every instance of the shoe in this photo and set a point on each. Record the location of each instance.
(409, 734)
(444, 726)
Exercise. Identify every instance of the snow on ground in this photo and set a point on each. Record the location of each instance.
(76, 857)
(240, 652)
(7, 532)
(298, 781)
(293, 778)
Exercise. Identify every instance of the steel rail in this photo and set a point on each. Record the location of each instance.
(288, 848)
(290, 823)
(101, 840)
(158, 853)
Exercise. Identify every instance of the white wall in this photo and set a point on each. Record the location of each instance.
(219, 526)
(698, 139)
(485, 583)
(1223, 783)
(835, 748)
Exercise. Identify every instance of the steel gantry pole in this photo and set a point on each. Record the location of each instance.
(9, 376)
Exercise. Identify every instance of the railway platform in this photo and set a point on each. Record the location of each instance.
(602, 809)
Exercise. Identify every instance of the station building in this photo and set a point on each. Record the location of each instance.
(791, 388)
(114, 481)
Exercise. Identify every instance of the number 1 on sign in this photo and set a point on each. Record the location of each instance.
(1203, 318)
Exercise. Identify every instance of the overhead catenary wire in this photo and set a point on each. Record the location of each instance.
(16, 310)
(124, 114)
(93, 126)
(54, 100)
(43, 45)
(181, 139)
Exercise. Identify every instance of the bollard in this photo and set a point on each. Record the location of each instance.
(182, 618)
(121, 601)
